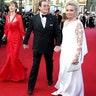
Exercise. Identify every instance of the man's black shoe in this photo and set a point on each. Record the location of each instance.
(30, 91)
(50, 82)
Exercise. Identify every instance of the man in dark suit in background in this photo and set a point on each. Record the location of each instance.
(45, 28)
(58, 16)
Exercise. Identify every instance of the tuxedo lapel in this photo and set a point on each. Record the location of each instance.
(48, 21)
(39, 21)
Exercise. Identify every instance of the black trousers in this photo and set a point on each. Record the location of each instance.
(36, 62)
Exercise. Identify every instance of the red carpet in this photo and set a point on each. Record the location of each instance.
(42, 89)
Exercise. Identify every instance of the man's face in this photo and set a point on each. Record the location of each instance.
(44, 7)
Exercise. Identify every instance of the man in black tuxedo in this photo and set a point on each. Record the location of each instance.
(45, 28)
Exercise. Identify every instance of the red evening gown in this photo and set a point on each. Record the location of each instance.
(13, 69)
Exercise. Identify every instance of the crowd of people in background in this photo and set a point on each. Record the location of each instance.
(2, 23)
(88, 20)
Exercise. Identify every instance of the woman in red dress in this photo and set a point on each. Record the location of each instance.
(13, 69)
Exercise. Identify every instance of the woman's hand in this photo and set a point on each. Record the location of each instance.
(75, 61)
(23, 37)
(25, 46)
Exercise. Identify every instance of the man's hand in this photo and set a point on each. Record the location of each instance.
(57, 48)
(25, 46)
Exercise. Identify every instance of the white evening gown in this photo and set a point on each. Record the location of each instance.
(70, 83)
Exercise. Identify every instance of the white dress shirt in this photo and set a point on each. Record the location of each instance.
(43, 20)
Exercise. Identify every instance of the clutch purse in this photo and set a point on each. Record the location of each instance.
(4, 40)
(73, 67)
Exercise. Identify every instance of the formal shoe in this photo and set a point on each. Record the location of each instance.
(30, 91)
(50, 82)
(54, 93)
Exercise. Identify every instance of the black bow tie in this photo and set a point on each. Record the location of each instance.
(44, 15)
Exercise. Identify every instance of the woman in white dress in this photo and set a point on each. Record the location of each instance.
(73, 50)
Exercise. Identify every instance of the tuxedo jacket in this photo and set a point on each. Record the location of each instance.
(44, 38)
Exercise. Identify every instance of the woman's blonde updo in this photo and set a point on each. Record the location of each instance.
(75, 4)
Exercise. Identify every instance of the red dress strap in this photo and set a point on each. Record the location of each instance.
(12, 19)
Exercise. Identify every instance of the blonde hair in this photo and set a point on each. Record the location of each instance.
(74, 4)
